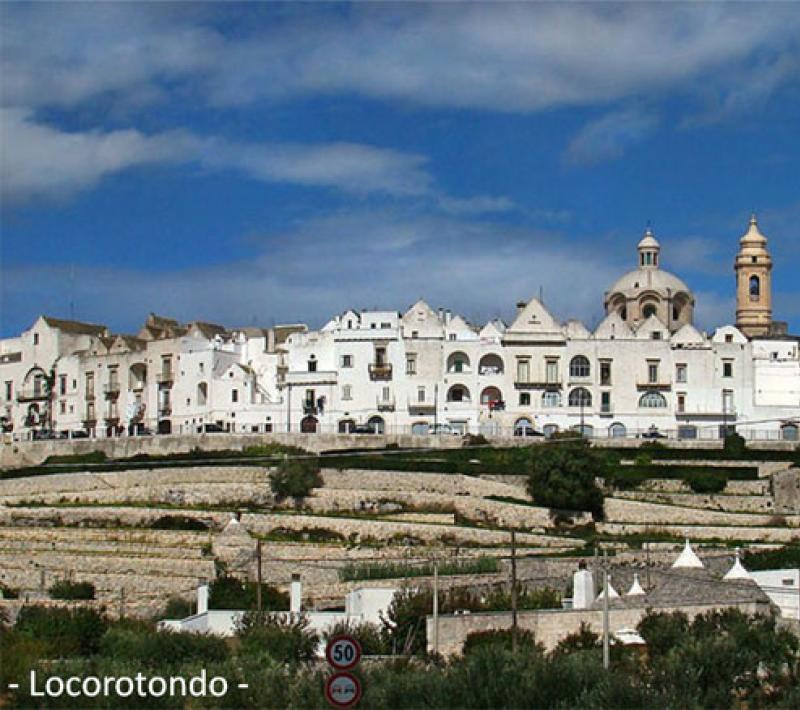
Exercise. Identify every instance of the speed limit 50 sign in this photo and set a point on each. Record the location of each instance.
(343, 652)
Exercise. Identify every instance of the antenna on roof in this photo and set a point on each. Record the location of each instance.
(541, 293)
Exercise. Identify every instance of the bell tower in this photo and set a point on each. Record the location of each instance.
(753, 283)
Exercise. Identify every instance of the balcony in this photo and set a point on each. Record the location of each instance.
(659, 386)
(111, 420)
(380, 371)
(165, 379)
(32, 396)
(310, 408)
(89, 421)
(111, 390)
(415, 407)
(385, 405)
(537, 385)
(496, 405)
(165, 410)
(137, 385)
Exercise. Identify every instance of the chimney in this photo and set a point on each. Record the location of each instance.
(441, 315)
(448, 315)
(520, 306)
(582, 588)
(295, 594)
(202, 599)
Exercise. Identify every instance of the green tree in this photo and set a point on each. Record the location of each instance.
(294, 478)
(64, 589)
(65, 632)
(562, 476)
(371, 637)
(227, 592)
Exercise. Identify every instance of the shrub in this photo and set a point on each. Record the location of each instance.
(734, 446)
(177, 522)
(706, 482)
(294, 478)
(7, 592)
(662, 631)
(64, 632)
(584, 639)
(498, 638)
(149, 648)
(475, 440)
(228, 592)
(373, 641)
(91, 457)
(64, 589)
(285, 638)
(563, 477)
(177, 608)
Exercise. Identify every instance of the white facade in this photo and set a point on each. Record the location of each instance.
(645, 369)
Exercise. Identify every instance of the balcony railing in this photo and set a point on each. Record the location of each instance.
(137, 385)
(165, 410)
(310, 408)
(385, 405)
(380, 371)
(165, 379)
(537, 385)
(659, 385)
(111, 389)
(495, 405)
(32, 396)
(426, 406)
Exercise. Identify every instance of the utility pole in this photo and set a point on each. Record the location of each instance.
(122, 603)
(513, 590)
(647, 561)
(435, 408)
(606, 658)
(258, 575)
(436, 606)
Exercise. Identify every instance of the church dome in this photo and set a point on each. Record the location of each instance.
(650, 291)
(649, 280)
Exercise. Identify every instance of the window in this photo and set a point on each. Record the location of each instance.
(347, 392)
(551, 399)
(617, 431)
(727, 402)
(652, 372)
(551, 371)
(729, 337)
(755, 288)
(202, 367)
(523, 370)
(655, 335)
(525, 399)
(35, 338)
(452, 336)
(63, 407)
(62, 385)
(347, 361)
(386, 395)
(411, 364)
(580, 397)
(234, 395)
(90, 384)
(312, 364)
(579, 367)
(681, 403)
(687, 431)
(681, 372)
(415, 334)
(727, 368)
(9, 390)
(653, 400)
(386, 325)
(605, 402)
(790, 432)
(649, 310)
(380, 356)
(605, 372)
(420, 394)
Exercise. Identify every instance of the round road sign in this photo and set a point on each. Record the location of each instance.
(343, 652)
(342, 690)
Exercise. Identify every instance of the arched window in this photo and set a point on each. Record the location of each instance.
(491, 394)
(550, 429)
(202, 394)
(523, 427)
(420, 428)
(755, 287)
(617, 430)
(580, 397)
(587, 430)
(649, 310)
(490, 365)
(790, 432)
(458, 393)
(458, 362)
(377, 424)
(653, 400)
(551, 398)
(579, 367)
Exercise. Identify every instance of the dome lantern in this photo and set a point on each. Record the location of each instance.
(649, 250)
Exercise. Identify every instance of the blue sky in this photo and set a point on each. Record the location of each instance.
(261, 163)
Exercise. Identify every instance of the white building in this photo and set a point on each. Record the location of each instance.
(645, 369)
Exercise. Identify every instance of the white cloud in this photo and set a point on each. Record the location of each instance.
(507, 57)
(607, 137)
(384, 258)
(480, 204)
(39, 160)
